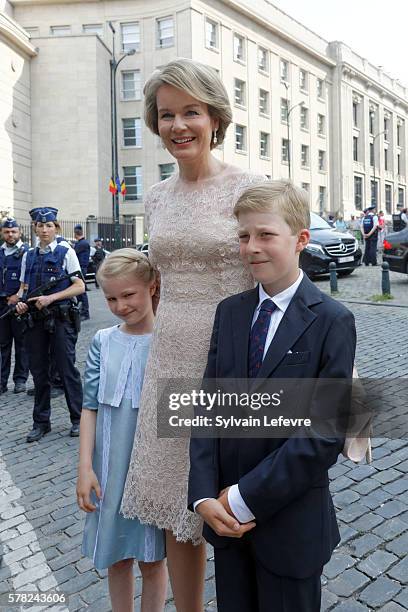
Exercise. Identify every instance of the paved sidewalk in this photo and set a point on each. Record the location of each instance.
(41, 527)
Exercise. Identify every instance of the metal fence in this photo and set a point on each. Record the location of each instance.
(97, 227)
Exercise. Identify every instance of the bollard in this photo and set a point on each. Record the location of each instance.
(385, 278)
(333, 277)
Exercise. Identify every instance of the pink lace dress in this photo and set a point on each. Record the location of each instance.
(193, 242)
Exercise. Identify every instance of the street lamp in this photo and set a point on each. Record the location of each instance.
(375, 184)
(114, 131)
(288, 123)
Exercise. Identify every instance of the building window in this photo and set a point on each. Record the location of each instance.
(263, 59)
(284, 110)
(132, 132)
(322, 161)
(32, 32)
(386, 159)
(93, 28)
(355, 148)
(320, 89)
(239, 48)
(264, 144)
(131, 85)
(60, 30)
(304, 118)
(304, 156)
(374, 193)
(322, 198)
(321, 125)
(239, 92)
(240, 138)
(303, 80)
(386, 128)
(211, 34)
(263, 102)
(358, 193)
(130, 36)
(133, 180)
(399, 163)
(371, 118)
(284, 71)
(399, 135)
(166, 170)
(388, 198)
(165, 32)
(401, 196)
(285, 150)
(355, 114)
(372, 154)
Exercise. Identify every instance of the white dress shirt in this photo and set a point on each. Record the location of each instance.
(282, 301)
(10, 250)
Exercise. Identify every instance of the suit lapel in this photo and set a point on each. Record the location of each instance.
(241, 324)
(297, 318)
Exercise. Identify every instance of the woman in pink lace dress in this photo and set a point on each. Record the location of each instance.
(193, 243)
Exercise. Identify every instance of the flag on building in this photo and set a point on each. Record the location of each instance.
(118, 185)
(123, 189)
(112, 186)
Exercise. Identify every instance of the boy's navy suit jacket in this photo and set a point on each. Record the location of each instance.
(284, 482)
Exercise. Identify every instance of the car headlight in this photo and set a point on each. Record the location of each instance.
(313, 246)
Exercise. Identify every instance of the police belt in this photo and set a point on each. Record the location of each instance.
(59, 312)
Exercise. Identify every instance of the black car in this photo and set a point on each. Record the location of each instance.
(396, 251)
(327, 245)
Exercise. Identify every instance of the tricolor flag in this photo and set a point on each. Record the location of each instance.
(118, 185)
(112, 186)
(123, 189)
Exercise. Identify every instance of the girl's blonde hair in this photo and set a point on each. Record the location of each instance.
(199, 81)
(126, 262)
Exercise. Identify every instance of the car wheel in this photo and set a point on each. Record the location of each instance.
(344, 272)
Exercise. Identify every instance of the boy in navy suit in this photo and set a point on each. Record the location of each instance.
(266, 502)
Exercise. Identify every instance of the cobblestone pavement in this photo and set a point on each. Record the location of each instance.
(41, 527)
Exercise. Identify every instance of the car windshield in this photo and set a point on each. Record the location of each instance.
(317, 223)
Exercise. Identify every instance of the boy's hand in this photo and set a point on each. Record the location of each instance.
(215, 515)
(223, 499)
(87, 481)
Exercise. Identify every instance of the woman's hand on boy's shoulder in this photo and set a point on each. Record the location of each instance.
(87, 482)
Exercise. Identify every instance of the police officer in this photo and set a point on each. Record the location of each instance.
(51, 321)
(369, 231)
(83, 251)
(98, 257)
(11, 254)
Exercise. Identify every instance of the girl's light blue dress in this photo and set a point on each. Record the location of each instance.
(113, 381)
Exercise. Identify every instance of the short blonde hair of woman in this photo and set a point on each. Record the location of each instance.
(199, 81)
(126, 262)
(281, 197)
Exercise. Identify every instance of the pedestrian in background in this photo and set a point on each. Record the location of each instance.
(113, 382)
(381, 230)
(11, 329)
(369, 231)
(52, 325)
(340, 224)
(83, 250)
(98, 257)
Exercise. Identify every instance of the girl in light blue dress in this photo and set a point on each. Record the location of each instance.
(113, 381)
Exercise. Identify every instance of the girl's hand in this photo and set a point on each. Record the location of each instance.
(87, 481)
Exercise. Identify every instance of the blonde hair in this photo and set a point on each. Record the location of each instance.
(126, 262)
(282, 197)
(199, 81)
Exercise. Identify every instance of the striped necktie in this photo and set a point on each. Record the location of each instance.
(258, 336)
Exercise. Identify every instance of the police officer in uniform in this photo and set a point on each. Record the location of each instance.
(369, 231)
(98, 257)
(83, 250)
(11, 255)
(51, 321)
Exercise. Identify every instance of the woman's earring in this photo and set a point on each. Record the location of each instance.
(215, 139)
